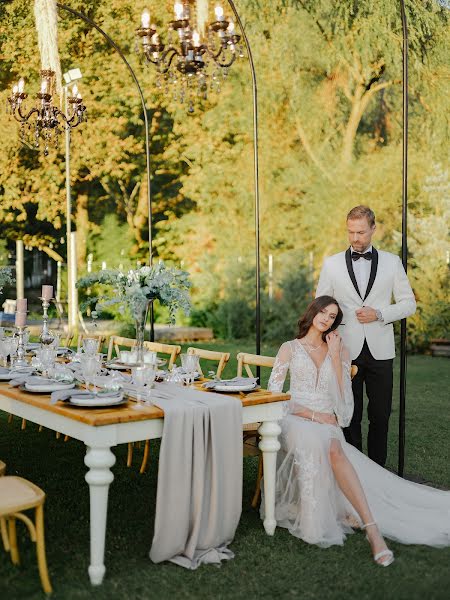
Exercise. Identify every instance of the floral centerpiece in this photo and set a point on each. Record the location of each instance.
(6, 277)
(137, 288)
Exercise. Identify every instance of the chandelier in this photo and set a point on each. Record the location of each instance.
(45, 121)
(189, 66)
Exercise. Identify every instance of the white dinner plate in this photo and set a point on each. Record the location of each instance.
(233, 388)
(96, 402)
(47, 388)
(7, 376)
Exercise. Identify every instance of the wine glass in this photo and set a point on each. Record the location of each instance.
(138, 378)
(190, 364)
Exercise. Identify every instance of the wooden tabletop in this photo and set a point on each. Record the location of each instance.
(121, 414)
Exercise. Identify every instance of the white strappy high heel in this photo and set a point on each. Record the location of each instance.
(388, 553)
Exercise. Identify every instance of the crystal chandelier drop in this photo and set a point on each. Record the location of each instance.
(189, 66)
(45, 121)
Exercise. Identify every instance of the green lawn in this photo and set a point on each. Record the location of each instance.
(264, 567)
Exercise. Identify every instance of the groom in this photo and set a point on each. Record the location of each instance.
(363, 281)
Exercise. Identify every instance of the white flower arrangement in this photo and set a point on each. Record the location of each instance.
(137, 287)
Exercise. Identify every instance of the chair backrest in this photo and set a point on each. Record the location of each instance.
(353, 371)
(115, 341)
(219, 357)
(171, 350)
(246, 360)
(100, 338)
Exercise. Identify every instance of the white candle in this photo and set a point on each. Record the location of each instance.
(44, 87)
(21, 85)
(145, 19)
(219, 13)
(21, 319)
(47, 292)
(21, 305)
(15, 89)
(75, 91)
(196, 39)
(178, 8)
(230, 28)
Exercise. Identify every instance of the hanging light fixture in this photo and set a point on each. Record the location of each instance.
(189, 66)
(45, 121)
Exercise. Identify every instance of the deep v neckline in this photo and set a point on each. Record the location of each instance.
(318, 369)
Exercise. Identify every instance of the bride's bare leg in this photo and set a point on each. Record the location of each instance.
(351, 487)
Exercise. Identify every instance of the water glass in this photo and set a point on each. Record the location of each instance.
(47, 357)
(5, 349)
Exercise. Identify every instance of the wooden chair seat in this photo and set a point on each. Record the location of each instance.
(17, 495)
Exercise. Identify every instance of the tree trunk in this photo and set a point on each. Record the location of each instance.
(83, 226)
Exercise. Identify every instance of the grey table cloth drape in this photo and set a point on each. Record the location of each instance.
(199, 496)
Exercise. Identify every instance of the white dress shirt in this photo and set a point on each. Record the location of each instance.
(361, 268)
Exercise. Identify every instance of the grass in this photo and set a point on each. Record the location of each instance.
(264, 567)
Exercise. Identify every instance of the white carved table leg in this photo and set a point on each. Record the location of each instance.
(99, 477)
(269, 446)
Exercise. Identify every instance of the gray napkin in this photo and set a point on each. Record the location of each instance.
(65, 395)
(210, 385)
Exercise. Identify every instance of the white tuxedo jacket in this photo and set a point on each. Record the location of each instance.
(387, 278)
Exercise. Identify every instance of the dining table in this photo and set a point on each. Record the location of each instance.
(101, 429)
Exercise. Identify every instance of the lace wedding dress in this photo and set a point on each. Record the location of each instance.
(308, 500)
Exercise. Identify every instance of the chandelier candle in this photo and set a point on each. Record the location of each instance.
(189, 64)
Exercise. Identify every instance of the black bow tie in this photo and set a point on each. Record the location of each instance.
(357, 255)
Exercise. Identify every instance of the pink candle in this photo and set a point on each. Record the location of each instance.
(21, 305)
(21, 319)
(47, 292)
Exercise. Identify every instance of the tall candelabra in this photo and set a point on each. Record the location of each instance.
(183, 64)
(45, 120)
(46, 337)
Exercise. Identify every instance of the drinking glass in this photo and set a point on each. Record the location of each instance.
(90, 346)
(47, 357)
(5, 350)
(90, 367)
(138, 377)
(190, 364)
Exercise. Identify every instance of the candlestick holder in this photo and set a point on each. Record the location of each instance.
(21, 360)
(46, 336)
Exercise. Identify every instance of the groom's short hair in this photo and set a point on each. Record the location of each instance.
(361, 211)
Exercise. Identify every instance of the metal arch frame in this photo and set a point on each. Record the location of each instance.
(112, 43)
(403, 365)
(256, 182)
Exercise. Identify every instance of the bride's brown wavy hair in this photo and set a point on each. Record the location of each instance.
(305, 322)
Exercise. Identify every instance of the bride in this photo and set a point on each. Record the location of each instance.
(324, 486)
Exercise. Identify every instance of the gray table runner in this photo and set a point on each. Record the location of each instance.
(199, 496)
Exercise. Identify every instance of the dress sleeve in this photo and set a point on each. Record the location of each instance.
(279, 372)
(343, 397)
(280, 369)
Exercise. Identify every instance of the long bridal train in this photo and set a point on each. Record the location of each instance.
(309, 502)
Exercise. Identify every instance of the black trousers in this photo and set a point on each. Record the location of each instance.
(377, 376)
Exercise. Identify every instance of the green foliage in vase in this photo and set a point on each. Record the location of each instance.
(6, 277)
(137, 287)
